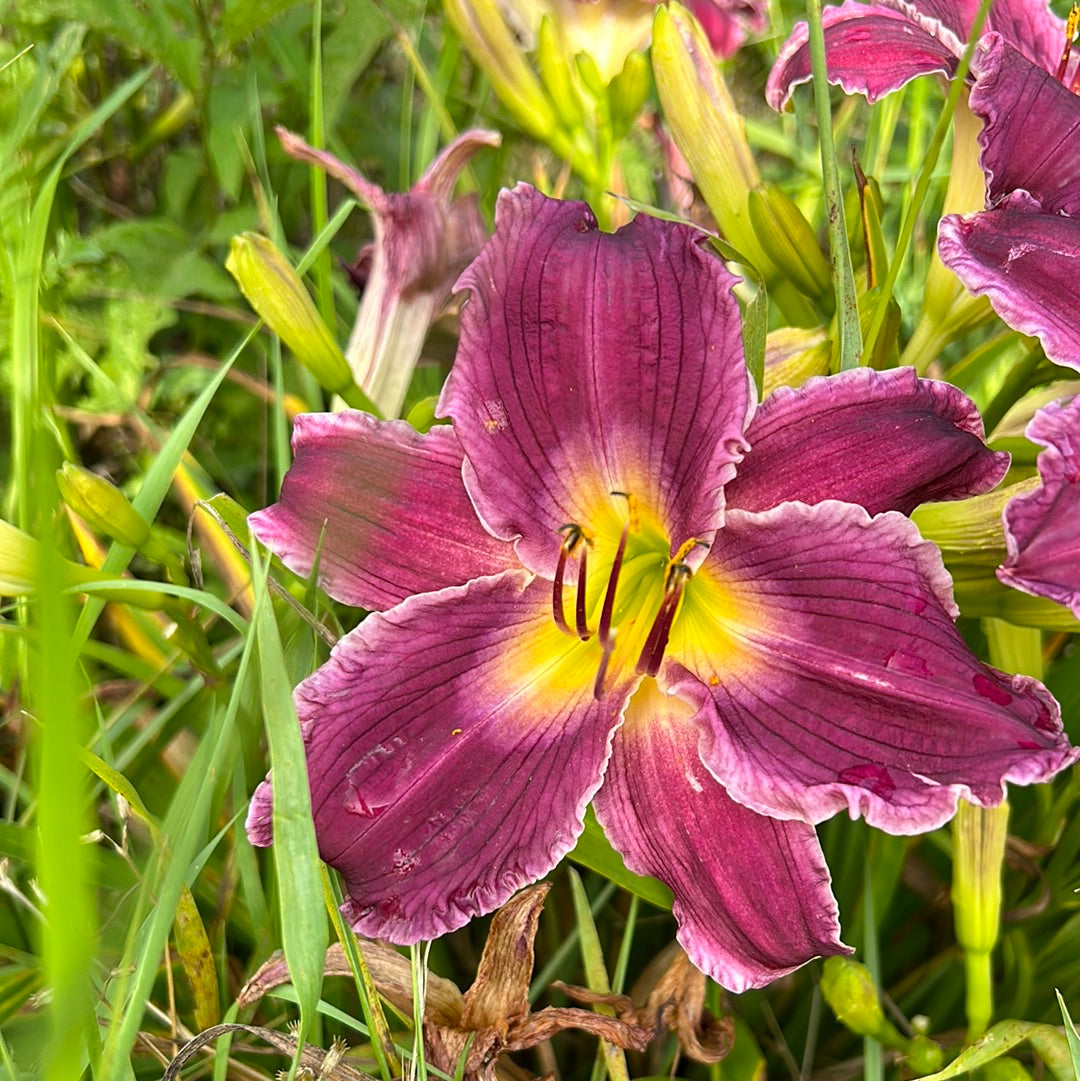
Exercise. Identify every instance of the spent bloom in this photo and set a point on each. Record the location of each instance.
(613, 579)
(423, 239)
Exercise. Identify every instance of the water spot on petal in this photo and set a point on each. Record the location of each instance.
(876, 779)
(496, 419)
(987, 688)
(916, 605)
(693, 782)
(403, 863)
(357, 803)
(910, 664)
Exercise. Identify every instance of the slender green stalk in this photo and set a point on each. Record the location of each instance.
(873, 1063)
(324, 287)
(922, 186)
(847, 303)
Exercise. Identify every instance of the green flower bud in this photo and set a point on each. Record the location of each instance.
(788, 240)
(924, 1056)
(590, 75)
(275, 291)
(706, 126)
(19, 554)
(628, 92)
(978, 853)
(483, 30)
(849, 990)
(18, 561)
(101, 505)
(555, 72)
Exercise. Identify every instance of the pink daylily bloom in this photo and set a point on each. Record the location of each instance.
(1023, 250)
(1042, 528)
(613, 579)
(876, 48)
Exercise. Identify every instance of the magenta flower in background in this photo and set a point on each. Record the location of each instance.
(1042, 528)
(874, 49)
(728, 23)
(1023, 251)
(612, 579)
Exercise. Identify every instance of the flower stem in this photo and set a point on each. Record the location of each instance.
(847, 304)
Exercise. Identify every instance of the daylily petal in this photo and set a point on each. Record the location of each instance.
(841, 437)
(452, 749)
(1030, 27)
(1027, 263)
(728, 22)
(387, 506)
(830, 673)
(1031, 128)
(592, 363)
(752, 893)
(871, 49)
(1042, 528)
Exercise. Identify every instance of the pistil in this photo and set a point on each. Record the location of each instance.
(675, 579)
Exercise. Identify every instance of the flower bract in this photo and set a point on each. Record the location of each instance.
(613, 578)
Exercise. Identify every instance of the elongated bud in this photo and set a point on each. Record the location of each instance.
(101, 505)
(978, 852)
(18, 561)
(19, 555)
(554, 63)
(706, 125)
(275, 291)
(850, 992)
(788, 240)
(483, 30)
(628, 92)
(970, 529)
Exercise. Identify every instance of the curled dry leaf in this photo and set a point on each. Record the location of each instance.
(324, 1065)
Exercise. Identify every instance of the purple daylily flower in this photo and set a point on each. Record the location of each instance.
(1023, 251)
(1042, 528)
(587, 590)
(876, 48)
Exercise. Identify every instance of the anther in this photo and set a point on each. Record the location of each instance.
(1071, 24)
(573, 535)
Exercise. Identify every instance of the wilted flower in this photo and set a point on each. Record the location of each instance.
(589, 593)
(423, 239)
(1042, 528)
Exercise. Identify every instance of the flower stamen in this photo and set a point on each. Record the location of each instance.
(1071, 25)
(675, 579)
(573, 535)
